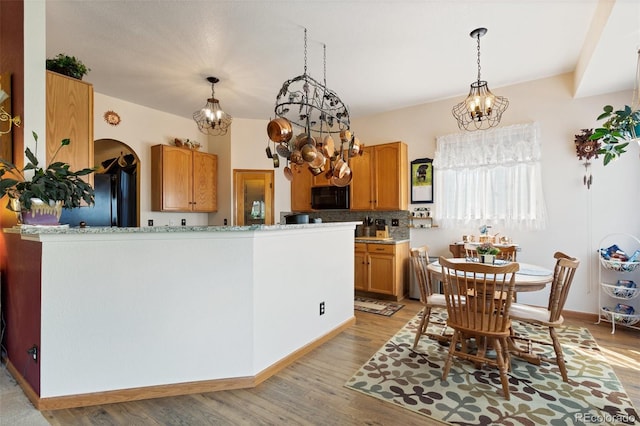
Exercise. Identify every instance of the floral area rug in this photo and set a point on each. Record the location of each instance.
(374, 306)
(412, 379)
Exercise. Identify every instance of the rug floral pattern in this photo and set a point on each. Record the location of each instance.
(411, 379)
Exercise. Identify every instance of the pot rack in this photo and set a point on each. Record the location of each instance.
(309, 104)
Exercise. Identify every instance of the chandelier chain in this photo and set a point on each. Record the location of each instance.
(305, 51)
(478, 57)
(324, 47)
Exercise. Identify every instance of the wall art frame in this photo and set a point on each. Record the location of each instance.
(422, 181)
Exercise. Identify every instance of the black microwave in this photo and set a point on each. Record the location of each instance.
(330, 197)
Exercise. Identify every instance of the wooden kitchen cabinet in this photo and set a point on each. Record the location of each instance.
(301, 189)
(183, 180)
(69, 114)
(381, 269)
(380, 178)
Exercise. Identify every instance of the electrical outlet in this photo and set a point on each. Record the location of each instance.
(395, 222)
(150, 222)
(183, 222)
(321, 308)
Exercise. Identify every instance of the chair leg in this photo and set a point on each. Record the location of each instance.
(559, 355)
(502, 367)
(422, 328)
(452, 349)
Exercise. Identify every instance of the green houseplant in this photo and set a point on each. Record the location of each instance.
(52, 184)
(621, 127)
(67, 65)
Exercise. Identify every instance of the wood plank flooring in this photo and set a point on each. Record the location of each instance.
(311, 390)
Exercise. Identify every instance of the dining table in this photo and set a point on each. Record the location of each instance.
(529, 278)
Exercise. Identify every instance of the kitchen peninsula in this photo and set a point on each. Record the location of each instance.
(102, 315)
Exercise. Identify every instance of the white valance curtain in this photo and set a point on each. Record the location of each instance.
(490, 177)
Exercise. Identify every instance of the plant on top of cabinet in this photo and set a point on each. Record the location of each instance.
(67, 65)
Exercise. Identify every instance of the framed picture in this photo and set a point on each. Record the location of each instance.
(422, 181)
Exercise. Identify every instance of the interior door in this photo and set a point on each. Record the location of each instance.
(253, 197)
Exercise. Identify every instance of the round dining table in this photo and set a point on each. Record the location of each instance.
(528, 278)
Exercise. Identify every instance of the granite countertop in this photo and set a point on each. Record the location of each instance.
(379, 241)
(65, 229)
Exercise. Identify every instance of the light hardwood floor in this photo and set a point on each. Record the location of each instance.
(311, 390)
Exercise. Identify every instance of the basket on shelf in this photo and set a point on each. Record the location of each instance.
(619, 265)
(619, 318)
(618, 292)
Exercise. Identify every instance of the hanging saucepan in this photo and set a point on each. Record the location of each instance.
(268, 151)
(345, 135)
(288, 174)
(309, 152)
(300, 140)
(283, 150)
(328, 146)
(340, 168)
(344, 180)
(279, 130)
(296, 157)
(319, 161)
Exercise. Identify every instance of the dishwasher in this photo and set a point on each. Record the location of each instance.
(414, 288)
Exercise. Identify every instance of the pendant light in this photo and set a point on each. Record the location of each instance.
(211, 119)
(482, 109)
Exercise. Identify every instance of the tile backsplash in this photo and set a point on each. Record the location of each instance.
(400, 232)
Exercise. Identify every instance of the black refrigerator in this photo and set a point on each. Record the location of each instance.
(115, 201)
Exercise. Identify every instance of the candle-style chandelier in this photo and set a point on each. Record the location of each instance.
(211, 119)
(481, 109)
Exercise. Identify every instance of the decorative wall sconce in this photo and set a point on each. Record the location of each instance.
(586, 149)
(5, 116)
(211, 119)
(482, 109)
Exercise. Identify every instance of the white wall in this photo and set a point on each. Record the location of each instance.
(248, 143)
(578, 218)
(141, 128)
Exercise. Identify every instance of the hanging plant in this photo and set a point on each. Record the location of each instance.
(620, 128)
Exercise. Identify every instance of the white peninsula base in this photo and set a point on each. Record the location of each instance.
(128, 315)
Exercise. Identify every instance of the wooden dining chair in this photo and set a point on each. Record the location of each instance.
(470, 250)
(430, 300)
(549, 317)
(478, 298)
(508, 253)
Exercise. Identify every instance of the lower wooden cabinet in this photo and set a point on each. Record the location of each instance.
(382, 269)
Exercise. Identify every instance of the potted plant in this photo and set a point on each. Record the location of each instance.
(49, 189)
(487, 252)
(620, 128)
(67, 65)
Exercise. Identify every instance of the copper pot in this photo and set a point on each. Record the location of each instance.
(279, 130)
(296, 157)
(309, 152)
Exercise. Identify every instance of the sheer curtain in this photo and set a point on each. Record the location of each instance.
(490, 177)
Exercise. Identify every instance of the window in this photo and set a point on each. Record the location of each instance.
(490, 177)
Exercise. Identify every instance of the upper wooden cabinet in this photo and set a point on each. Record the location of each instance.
(183, 180)
(380, 178)
(69, 115)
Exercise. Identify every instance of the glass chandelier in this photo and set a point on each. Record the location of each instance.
(482, 109)
(211, 119)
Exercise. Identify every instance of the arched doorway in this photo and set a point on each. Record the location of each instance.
(117, 188)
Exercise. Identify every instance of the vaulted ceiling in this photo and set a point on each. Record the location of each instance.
(380, 55)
